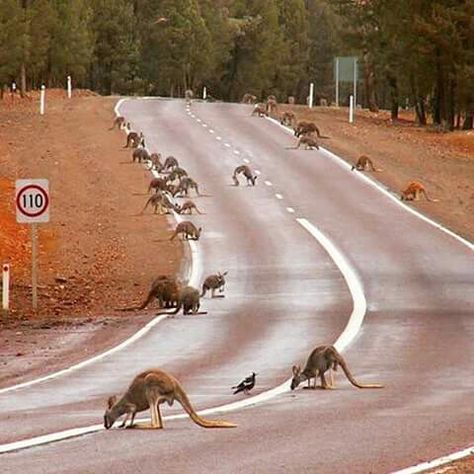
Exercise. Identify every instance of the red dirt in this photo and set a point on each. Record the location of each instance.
(97, 253)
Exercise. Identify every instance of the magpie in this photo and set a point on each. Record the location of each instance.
(246, 385)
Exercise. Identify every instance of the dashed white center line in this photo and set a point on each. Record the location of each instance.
(218, 138)
(237, 152)
(204, 125)
(227, 145)
(290, 210)
(278, 196)
(257, 172)
(211, 131)
(199, 120)
(246, 161)
(268, 183)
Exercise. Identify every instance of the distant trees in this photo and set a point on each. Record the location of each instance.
(411, 52)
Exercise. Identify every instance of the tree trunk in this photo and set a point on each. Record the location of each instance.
(369, 82)
(468, 121)
(394, 99)
(23, 80)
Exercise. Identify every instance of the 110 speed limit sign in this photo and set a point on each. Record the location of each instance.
(32, 200)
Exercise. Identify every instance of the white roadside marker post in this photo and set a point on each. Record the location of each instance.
(5, 287)
(42, 99)
(351, 109)
(69, 87)
(311, 92)
(204, 93)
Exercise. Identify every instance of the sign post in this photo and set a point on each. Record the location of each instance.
(42, 99)
(32, 207)
(5, 287)
(69, 87)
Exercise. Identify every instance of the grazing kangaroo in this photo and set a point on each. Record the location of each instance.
(155, 159)
(308, 142)
(187, 208)
(177, 173)
(259, 110)
(322, 359)
(288, 118)
(165, 289)
(248, 99)
(158, 184)
(188, 229)
(247, 172)
(140, 154)
(186, 184)
(119, 122)
(134, 140)
(149, 390)
(305, 128)
(170, 163)
(161, 200)
(414, 191)
(364, 163)
(188, 300)
(214, 282)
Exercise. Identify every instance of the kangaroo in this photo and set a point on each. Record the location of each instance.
(187, 208)
(259, 110)
(188, 95)
(246, 171)
(248, 99)
(170, 163)
(155, 159)
(364, 163)
(149, 390)
(414, 191)
(119, 122)
(156, 202)
(140, 154)
(165, 289)
(308, 142)
(177, 173)
(322, 359)
(188, 229)
(160, 199)
(304, 128)
(158, 184)
(271, 105)
(185, 184)
(214, 282)
(288, 118)
(135, 140)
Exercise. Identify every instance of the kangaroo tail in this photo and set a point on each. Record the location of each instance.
(204, 289)
(323, 136)
(130, 308)
(351, 379)
(188, 408)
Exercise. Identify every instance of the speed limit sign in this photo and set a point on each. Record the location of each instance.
(32, 200)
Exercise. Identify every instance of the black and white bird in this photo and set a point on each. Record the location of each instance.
(246, 385)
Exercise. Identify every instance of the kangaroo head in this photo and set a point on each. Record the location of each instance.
(110, 416)
(198, 233)
(297, 378)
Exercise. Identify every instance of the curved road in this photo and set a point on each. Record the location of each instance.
(284, 296)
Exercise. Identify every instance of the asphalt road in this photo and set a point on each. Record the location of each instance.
(284, 296)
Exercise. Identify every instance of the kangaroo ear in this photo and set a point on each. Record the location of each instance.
(225, 273)
(111, 401)
(296, 370)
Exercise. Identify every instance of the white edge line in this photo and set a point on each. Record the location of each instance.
(437, 462)
(355, 321)
(193, 280)
(387, 193)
